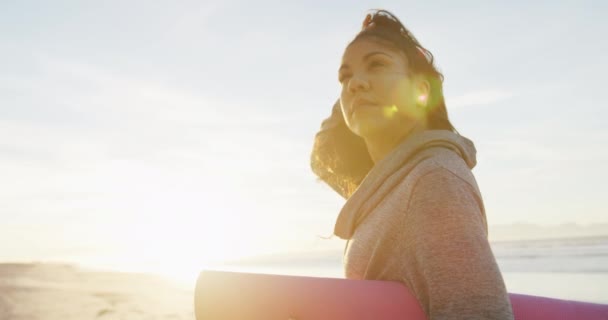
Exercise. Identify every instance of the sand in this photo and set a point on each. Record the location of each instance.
(50, 291)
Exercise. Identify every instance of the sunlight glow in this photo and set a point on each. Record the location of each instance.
(422, 99)
(175, 232)
(390, 111)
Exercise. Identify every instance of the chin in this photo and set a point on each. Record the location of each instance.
(367, 130)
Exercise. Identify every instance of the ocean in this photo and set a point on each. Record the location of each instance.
(575, 269)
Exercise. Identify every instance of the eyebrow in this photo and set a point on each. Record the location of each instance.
(365, 57)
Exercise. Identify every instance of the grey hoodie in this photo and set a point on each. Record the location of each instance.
(418, 218)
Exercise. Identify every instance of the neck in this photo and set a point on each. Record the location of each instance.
(381, 145)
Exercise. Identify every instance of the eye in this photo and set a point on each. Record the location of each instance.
(376, 64)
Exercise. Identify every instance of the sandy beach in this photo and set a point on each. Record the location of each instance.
(48, 291)
(573, 269)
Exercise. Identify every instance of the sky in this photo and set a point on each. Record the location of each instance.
(165, 133)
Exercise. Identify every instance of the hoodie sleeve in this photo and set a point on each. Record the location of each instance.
(448, 262)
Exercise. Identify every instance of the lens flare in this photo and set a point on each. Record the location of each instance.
(422, 99)
(390, 111)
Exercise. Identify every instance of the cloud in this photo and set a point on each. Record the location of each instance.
(78, 104)
(476, 98)
(130, 135)
(108, 93)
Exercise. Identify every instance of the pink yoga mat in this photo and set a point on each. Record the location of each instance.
(223, 295)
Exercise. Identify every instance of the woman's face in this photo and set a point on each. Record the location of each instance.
(380, 96)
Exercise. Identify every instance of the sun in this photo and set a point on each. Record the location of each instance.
(180, 251)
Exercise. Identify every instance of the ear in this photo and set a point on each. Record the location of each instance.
(422, 91)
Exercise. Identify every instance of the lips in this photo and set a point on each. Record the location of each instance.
(361, 103)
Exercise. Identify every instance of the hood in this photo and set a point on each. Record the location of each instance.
(388, 173)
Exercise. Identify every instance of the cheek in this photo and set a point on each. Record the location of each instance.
(394, 91)
(344, 103)
(399, 93)
(343, 95)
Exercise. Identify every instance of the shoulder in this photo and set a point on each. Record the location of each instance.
(445, 194)
(431, 172)
(440, 166)
(440, 182)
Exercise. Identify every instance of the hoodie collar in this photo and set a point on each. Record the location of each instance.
(386, 174)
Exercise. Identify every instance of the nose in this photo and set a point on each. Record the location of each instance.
(357, 83)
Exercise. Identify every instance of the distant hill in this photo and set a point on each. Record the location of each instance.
(526, 231)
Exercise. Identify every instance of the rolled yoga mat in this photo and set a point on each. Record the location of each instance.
(223, 295)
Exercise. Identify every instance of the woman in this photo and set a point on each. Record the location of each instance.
(414, 212)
